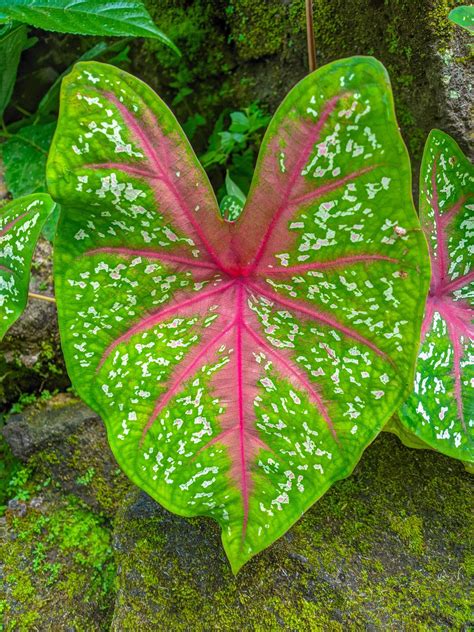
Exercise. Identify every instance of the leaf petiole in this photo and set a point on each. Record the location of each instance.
(42, 297)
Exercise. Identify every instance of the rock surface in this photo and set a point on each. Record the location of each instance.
(387, 548)
(65, 441)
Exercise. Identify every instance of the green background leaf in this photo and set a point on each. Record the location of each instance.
(24, 156)
(20, 225)
(86, 17)
(12, 41)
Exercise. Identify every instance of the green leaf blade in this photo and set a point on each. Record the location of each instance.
(440, 410)
(21, 222)
(86, 17)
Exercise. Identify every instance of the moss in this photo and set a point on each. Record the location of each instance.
(401, 35)
(259, 29)
(410, 529)
(388, 547)
(77, 461)
(57, 566)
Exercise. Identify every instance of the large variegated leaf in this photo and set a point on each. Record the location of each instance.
(21, 222)
(241, 368)
(440, 410)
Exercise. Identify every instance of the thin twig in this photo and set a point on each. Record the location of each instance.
(42, 297)
(310, 36)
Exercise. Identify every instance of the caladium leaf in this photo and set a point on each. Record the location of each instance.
(241, 368)
(440, 410)
(20, 225)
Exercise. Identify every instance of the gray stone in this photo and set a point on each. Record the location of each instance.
(40, 426)
(65, 441)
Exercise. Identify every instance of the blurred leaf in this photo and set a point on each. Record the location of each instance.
(86, 17)
(191, 125)
(121, 58)
(463, 16)
(49, 227)
(12, 41)
(240, 122)
(227, 145)
(233, 189)
(24, 157)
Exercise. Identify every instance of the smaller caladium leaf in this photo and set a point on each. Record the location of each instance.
(463, 16)
(440, 411)
(240, 367)
(20, 225)
(233, 202)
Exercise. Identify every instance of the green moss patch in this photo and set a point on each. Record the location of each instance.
(57, 567)
(386, 548)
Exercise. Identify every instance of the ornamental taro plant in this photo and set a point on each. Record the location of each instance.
(240, 367)
(440, 409)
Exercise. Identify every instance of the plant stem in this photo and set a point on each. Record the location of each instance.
(310, 36)
(42, 297)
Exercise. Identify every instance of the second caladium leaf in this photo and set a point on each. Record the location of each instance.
(241, 368)
(21, 222)
(440, 411)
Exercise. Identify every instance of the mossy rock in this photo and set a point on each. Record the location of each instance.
(387, 548)
(239, 51)
(56, 568)
(64, 441)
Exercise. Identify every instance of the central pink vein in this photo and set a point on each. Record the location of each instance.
(240, 387)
